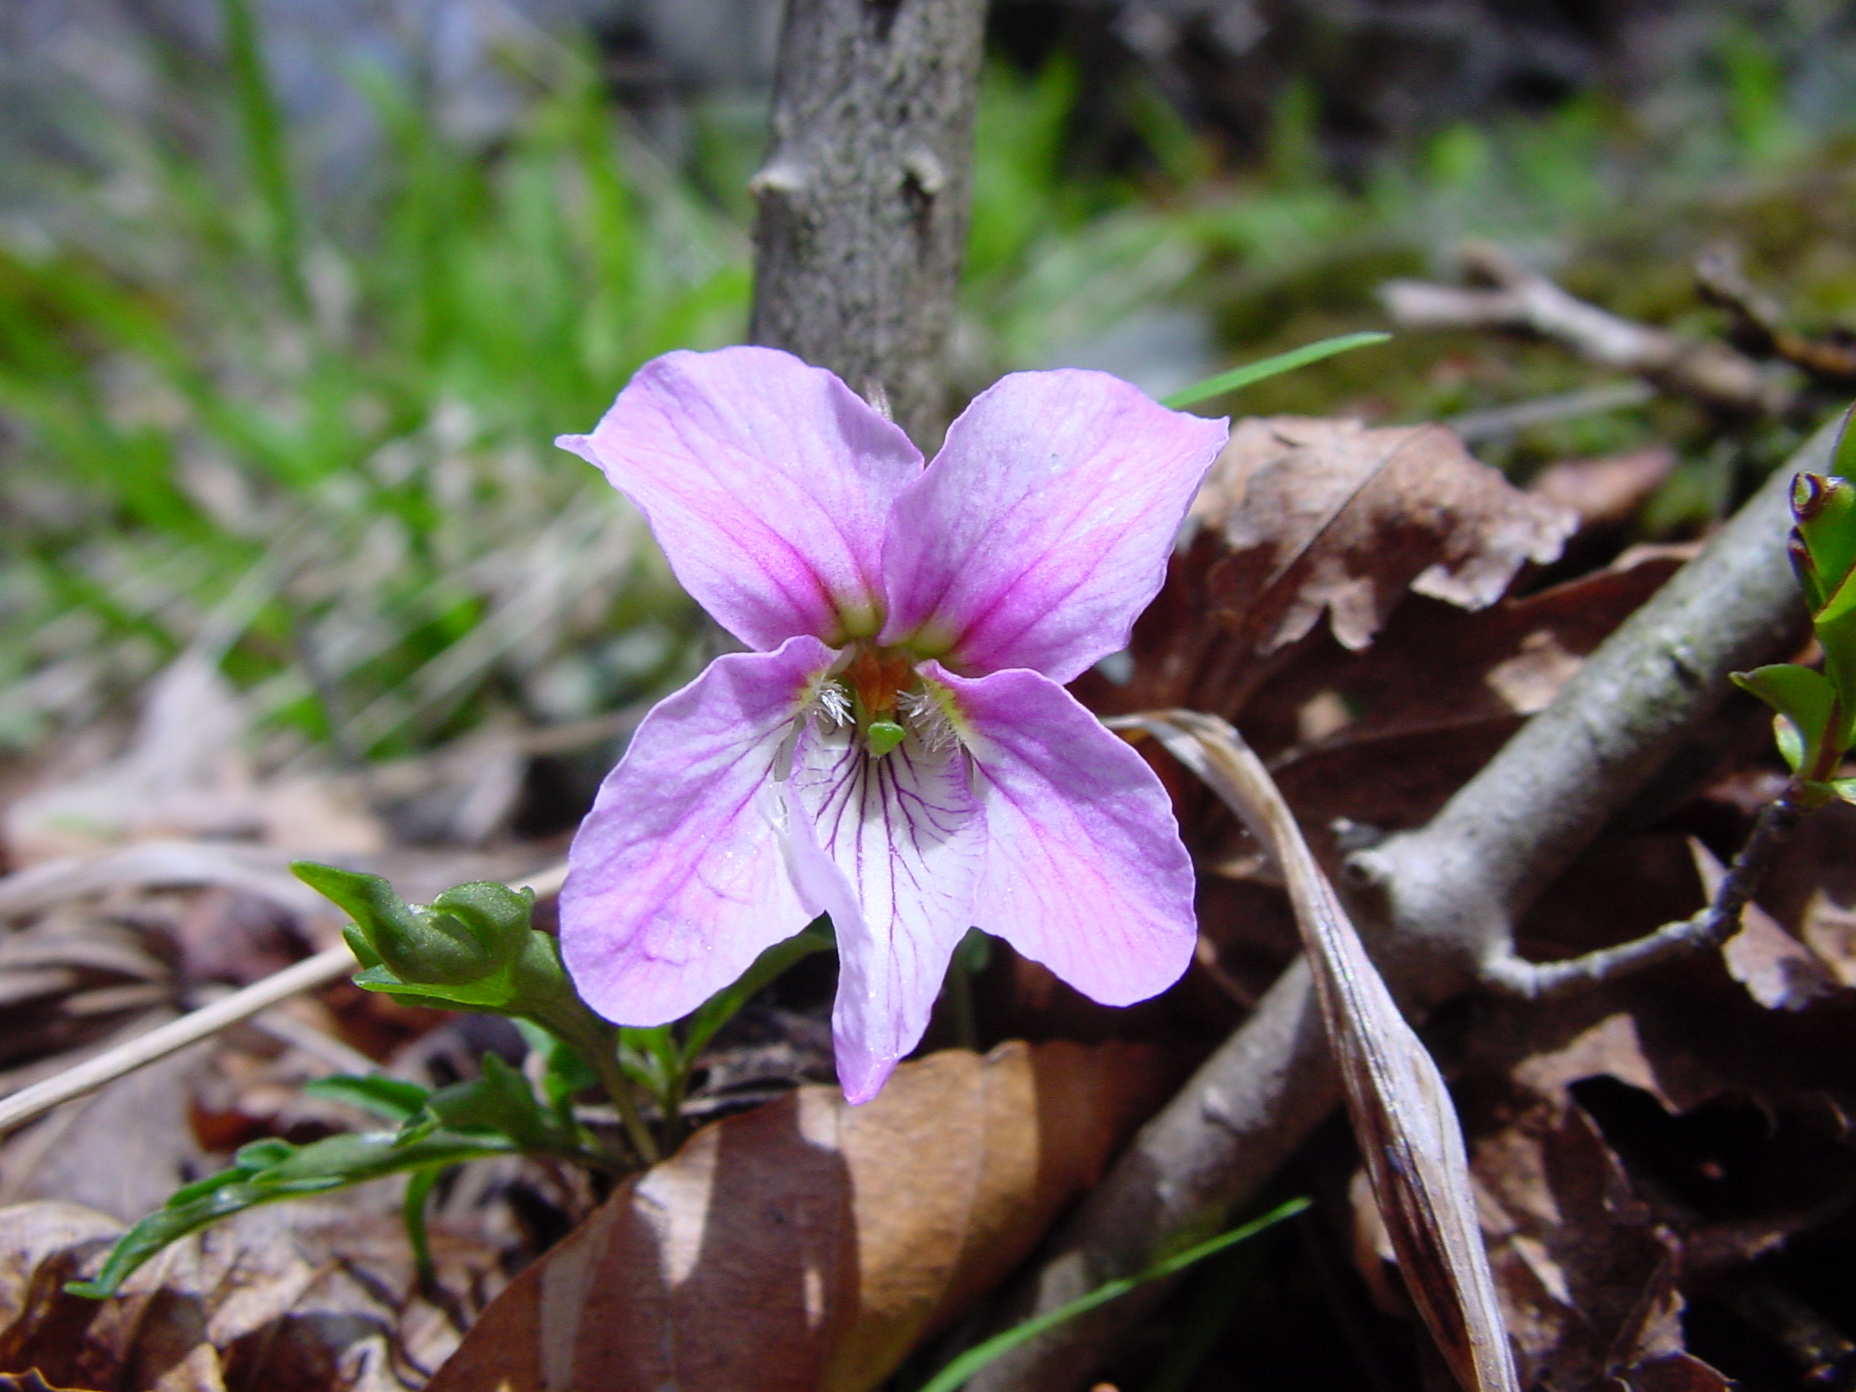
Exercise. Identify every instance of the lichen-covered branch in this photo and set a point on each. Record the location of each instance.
(865, 192)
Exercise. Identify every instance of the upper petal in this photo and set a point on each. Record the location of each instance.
(891, 848)
(677, 879)
(766, 482)
(1084, 867)
(1043, 526)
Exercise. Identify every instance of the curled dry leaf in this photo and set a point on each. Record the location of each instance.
(1402, 1115)
(1586, 1268)
(808, 1244)
(1320, 514)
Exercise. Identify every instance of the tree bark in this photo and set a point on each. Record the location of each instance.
(864, 195)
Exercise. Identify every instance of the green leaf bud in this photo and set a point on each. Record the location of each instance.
(467, 937)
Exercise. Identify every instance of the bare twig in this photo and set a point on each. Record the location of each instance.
(322, 969)
(307, 975)
(1760, 322)
(1524, 300)
(864, 194)
(1448, 894)
(1444, 900)
(1709, 928)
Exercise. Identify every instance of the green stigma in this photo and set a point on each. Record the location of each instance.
(883, 736)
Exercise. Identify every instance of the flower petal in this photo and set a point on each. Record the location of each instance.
(767, 483)
(1043, 526)
(677, 879)
(891, 848)
(1084, 867)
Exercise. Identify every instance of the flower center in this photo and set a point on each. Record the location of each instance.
(879, 691)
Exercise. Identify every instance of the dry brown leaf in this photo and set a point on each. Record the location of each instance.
(808, 1244)
(300, 1297)
(1402, 1115)
(1585, 1272)
(1777, 970)
(1607, 489)
(1331, 515)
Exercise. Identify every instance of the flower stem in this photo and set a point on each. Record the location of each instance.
(601, 1053)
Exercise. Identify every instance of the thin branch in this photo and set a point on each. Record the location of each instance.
(1524, 300)
(1760, 322)
(1447, 896)
(1709, 928)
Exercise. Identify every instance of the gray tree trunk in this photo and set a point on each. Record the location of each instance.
(865, 192)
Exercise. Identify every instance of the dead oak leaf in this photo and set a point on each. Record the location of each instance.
(1333, 515)
(809, 1245)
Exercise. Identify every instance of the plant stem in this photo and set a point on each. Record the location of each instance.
(602, 1055)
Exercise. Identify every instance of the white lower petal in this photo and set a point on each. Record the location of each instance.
(892, 849)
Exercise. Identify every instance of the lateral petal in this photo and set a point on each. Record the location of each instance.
(677, 879)
(891, 848)
(1043, 526)
(767, 483)
(1084, 867)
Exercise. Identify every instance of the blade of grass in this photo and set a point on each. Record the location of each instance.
(956, 1373)
(264, 142)
(1255, 372)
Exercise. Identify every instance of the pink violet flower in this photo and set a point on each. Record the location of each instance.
(897, 750)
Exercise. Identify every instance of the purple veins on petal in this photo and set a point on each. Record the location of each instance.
(766, 482)
(677, 880)
(1084, 867)
(891, 848)
(1043, 526)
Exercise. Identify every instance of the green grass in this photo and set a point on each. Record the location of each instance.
(311, 437)
(320, 444)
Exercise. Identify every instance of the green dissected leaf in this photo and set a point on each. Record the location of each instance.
(956, 1373)
(1844, 788)
(1252, 373)
(472, 948)
(412, 1212)
(1806, 702)
(1835, 626)
(466, 940)
(394, 1099)
(270, 1171)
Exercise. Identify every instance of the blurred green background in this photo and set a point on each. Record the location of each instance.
(290, 312)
